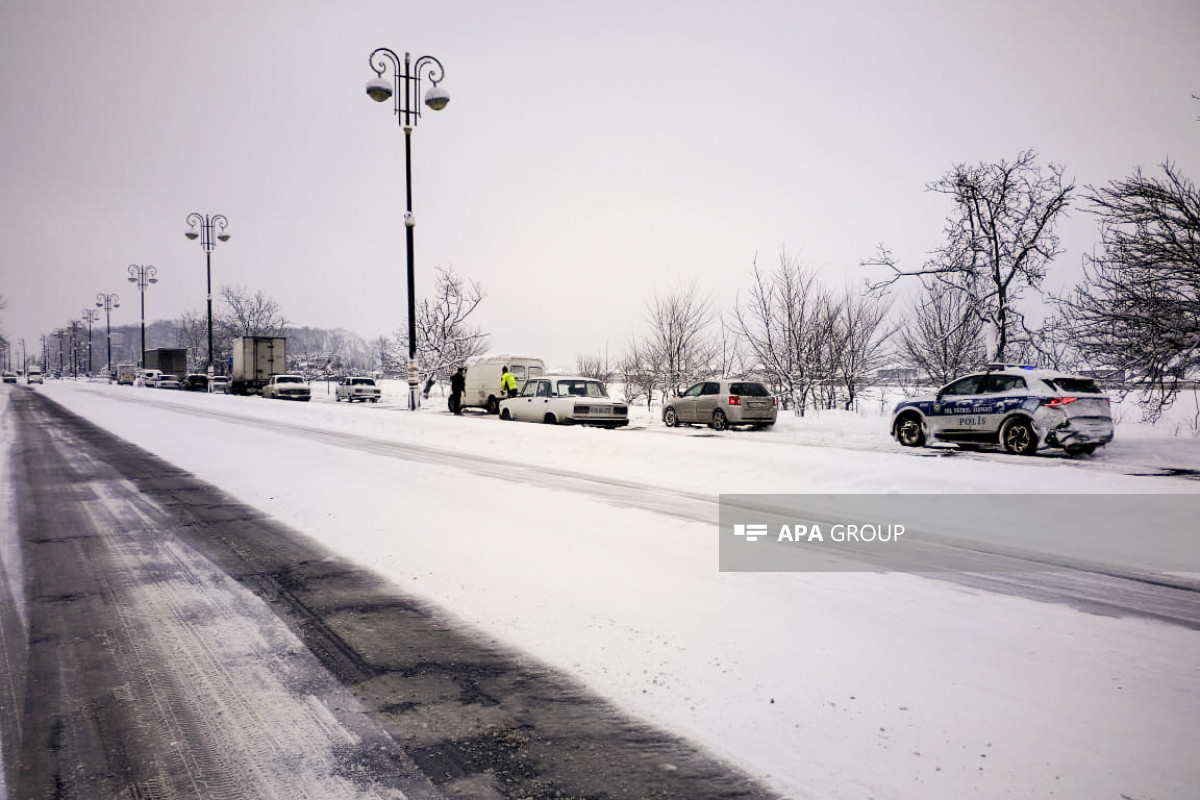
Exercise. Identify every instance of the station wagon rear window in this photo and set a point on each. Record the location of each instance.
(749, 390)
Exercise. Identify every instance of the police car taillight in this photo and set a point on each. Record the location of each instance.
(1057, 402)
(734, 400)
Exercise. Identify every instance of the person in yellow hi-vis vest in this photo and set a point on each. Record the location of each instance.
(508, 383)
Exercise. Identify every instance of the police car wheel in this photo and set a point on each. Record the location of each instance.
(1081, 450)
(909, 432)
(1019, 438)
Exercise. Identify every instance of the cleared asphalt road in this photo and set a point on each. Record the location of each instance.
(160, 640)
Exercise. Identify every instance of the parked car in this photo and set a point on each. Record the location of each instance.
(10, 377)
(565, 399)
(167, 381)
(352, 389)
(219, 384)
(34, 376)
(1020, 408)
(287, 387)
(723, 403)
(196, 382)
(147, 377)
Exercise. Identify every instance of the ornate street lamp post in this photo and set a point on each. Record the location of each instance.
(205, 234)
(405, 86)
(143, 277)
(90, 315)
(108, 302)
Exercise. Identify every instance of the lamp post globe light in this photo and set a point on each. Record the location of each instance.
(89, 315)
(108, 302)
(405, 87)
(143, 276)
(206, 225)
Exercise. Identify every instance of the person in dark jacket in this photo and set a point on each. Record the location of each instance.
(458, 382)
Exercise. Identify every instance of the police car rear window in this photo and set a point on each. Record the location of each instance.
(1075, 385)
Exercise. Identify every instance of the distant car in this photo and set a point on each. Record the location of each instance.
(287, 387)
(167, 381)
(147, 377)
(1019, 408)
(218, 384)
(10, 377)
(362, 389)
(565, 400)
(196, 382)
(34, 376)
(722, 404)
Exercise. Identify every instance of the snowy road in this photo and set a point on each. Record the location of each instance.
(595, 551)
(162, 641)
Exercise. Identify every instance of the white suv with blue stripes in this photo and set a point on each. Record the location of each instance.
(1020, 408)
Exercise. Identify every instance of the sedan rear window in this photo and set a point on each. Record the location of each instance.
(749, 390)
(362, 382)
(1074, 385)
(581, 389)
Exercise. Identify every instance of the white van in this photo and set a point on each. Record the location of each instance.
(482, 389)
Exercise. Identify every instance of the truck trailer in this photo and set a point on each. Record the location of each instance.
(255, 360)
(169, 360)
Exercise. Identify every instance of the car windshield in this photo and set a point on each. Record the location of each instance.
(579, 388)
(1074, 385)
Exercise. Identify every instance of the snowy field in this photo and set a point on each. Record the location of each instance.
(846, 685)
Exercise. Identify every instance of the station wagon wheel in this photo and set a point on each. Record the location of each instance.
(1018, 437)
(719, 421)
(909, 431)
(670, 418)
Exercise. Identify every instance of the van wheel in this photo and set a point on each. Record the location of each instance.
(493, 405)
(719, 421)
(670, 418)
(1019, 438)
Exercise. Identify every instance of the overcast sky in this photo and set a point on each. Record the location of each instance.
(592, 154)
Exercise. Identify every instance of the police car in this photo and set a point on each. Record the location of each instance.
(1020, 408)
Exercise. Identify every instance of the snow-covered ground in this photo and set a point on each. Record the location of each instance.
(829, 685)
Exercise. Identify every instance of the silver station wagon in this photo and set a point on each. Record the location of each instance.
(721, 404)
(565, 400)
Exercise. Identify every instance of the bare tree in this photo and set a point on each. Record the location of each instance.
(999, 239)
(594, 366)
(191, 331)
(1138, 307)
(444, 337)
(943, 337)
(678, 343)
(638, 373)
(785, 324)
(859, 337)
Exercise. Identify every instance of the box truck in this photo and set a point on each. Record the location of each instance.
(168, 360)
(255, 360)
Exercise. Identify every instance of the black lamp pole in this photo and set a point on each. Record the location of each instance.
(405, 86)
(205, 234)
(143, 277)
(108, 302)
(90, 315)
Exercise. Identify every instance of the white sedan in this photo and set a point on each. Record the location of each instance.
(565, 400)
